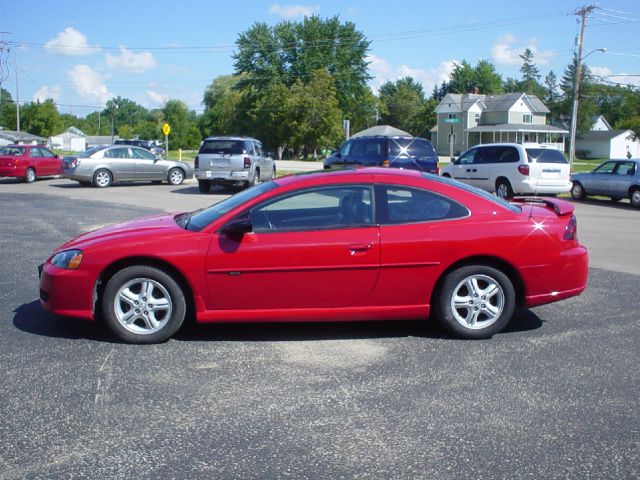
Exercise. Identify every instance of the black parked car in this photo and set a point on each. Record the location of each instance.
(413, 153)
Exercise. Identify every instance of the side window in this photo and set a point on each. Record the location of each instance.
(248, 145)
(605, 168)
(507, 155)
(345, 149)
(409, 205)
(258, 148)
(34, 153)
(468, 157)
(358, 148)
(626, 168)
(316, 209)
(142, 154)
(117, 153)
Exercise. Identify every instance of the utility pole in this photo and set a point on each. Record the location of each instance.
(584, 13)
(4, 70)
(15, 59)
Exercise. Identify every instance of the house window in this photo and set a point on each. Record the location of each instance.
(477, 117)
(452, 116)
(527, 118)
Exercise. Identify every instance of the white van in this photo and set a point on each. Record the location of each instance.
(510, 169)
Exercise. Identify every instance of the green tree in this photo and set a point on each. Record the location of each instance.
(184, 132)
(465, 78)
(40, 118)
(551, 97)
(222, 101)
(530, 82)
(402, 105)
(7, 110)
(586, 105)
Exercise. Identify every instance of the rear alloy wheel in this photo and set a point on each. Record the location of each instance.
(577, 191)
(176, 176)
(30, 175)
(143, 305)
(255, 180)
(503, 189)
(475, 302)
(102, 178)
(204, 186)
(634, 197)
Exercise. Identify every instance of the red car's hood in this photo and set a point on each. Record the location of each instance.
(134, 228)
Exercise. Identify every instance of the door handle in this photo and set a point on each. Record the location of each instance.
(359, 247)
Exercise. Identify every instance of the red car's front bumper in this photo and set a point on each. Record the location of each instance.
(66, 292)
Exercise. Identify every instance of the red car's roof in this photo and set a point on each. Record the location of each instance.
(357, 174)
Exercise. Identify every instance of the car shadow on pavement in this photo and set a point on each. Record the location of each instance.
(32, 318)
(215, 190)
(621, 205)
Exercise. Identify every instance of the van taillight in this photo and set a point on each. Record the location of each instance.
(386, 163)
(247, 162)
(196, 162)
(523, 169)
(571, 230)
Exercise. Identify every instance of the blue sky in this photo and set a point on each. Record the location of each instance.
(83, 53)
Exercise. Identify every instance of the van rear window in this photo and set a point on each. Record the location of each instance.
(413, 147)
(226, 147)
(546, 155)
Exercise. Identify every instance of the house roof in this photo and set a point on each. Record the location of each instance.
(599, 135)
(496, 103)
(76, 131)
(595, 119)
(13, 136)
(386, 130)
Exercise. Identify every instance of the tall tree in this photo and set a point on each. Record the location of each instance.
(530, 75)
(222, 100)
(551, 97)
(586, 105)
(40, 118)
(465, 78)
(7, 110)
(402, 105)
(184, 132)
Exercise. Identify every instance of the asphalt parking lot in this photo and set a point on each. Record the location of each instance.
(554, 396)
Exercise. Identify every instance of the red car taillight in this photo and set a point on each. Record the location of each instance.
(196, 162)
(523, 169)
(571, 230)
(247, 162)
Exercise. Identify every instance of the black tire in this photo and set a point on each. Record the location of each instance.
(273, 173)
(503, 188)
(30, 175)
(102, 178)
(478, 317)
(160, 315)
(255, 180)
(176, 176)
(577, 191)
(634, 197)
(204, 186)
(446, 175)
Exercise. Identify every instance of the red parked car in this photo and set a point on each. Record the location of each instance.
(28, 162)
(363, 244)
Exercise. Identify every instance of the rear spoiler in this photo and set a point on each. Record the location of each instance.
(560, 207)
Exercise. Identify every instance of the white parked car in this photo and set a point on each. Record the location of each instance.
(510, 169)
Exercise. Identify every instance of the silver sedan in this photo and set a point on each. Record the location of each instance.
(101, 166)
(616, 179)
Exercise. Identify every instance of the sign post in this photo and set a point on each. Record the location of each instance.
(166, 129)
(451, 121)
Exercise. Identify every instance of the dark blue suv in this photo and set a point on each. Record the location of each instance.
(413, 153)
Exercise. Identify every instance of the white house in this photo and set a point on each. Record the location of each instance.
(608, 144)
(71, 139)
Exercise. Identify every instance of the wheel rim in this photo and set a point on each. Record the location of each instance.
(143, 306)
(503, 191)
(176, 177)
(635, 198)
(103, 179)
(576, 191)
(477, 302)
(31, 176)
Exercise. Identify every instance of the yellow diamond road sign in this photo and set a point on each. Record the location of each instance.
(166, 129)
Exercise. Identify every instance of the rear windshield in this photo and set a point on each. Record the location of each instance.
(226, 147)
(90, 151)
(413, 147)
(545, 155)
(12, 151)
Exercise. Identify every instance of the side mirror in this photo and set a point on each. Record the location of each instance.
(238, 227)
(455, 161)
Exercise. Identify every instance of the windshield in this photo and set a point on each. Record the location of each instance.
(196, 221)
(87, 153)
(226, 147)
(413, 147)
(12, 151)
(545, 155)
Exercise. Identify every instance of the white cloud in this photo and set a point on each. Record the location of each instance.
(45, 92)
(293, 11)
(89, 84)
(70, 42)
(382, 71)
(158, 99)
(130, 61)
(606, 75)
(504, 52)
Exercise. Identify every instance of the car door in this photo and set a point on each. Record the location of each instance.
(418, 231)
(463, 167)
(121, 163)
(37, 161)
(316, 248)
(147, 165)
(51, 160)
(597, 183)
(621, 179)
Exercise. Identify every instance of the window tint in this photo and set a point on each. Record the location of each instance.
(467, 158)
(605, 168)
(92, 152)
(488, 155)
(12, 151)
(320, 208)
(225, 147)
(413, 147)
(345, 149)
(626, 168)
(117, 153)
(409, 205)
(546, 155)
(358, 147)
(47, 153)
(34, 152)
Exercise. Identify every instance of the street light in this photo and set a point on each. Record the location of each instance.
(574, 112)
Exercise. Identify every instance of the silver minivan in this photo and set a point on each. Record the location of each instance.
(232, 162)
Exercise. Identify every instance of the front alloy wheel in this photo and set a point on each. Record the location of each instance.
(30, 175)
(102, 178)
(577, 192)
(176, 176)
(143, 305)
(635, 198)
(476, 301)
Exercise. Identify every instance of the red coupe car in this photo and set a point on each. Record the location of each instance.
(28, 162)
(363, 244)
